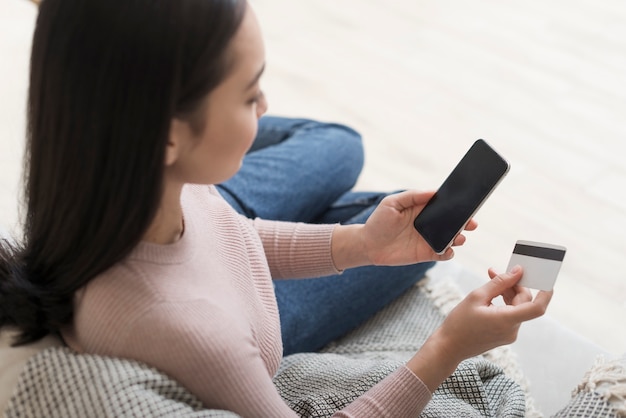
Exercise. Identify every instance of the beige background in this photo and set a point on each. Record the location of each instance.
(543, 82)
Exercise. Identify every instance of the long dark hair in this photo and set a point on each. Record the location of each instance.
(106, 78)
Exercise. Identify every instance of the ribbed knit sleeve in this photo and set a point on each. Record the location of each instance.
(401, 394)
(297, 250)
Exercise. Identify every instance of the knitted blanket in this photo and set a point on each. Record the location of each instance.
(60, 383)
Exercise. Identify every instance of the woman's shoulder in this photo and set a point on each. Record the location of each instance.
(204, 202)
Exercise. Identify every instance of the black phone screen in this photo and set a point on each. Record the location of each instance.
(460, 195)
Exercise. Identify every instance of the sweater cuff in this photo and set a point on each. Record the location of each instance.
(401, 394)
(297, 250)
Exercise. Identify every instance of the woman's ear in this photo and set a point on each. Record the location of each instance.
(179, 132)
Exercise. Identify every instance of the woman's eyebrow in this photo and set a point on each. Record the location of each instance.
(256, 77)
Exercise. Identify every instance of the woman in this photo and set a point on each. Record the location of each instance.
(136, 109)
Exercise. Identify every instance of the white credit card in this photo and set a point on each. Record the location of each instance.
(541, 263)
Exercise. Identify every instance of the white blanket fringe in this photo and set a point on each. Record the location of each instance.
(608, 379)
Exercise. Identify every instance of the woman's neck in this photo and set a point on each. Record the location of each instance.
(168, 226)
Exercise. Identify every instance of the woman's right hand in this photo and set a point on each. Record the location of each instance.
(476, 325)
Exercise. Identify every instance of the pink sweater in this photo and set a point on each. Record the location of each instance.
(203, 310)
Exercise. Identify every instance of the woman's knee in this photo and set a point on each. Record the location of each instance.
(344, 147)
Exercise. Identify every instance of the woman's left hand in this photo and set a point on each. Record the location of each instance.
(389, 237)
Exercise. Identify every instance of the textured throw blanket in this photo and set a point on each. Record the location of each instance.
(60, 383)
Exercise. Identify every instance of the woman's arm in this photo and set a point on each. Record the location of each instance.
(387, 238)
(296, 250)
(211, 353)
(476, 325)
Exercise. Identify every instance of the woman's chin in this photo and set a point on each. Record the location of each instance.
(227, 175)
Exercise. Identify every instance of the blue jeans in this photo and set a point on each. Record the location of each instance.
(303, 171)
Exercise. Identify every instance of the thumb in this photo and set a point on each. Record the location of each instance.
(409, 199)
(500, 283)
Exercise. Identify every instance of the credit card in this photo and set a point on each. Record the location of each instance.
(541, 263)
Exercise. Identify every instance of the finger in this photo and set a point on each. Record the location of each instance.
(471, 225)
(459, 240)
(543, 298)
(531, 310)
(517, 296)
(509, 294)
(447, 255)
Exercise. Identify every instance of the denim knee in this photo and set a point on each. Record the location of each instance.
(345, 149)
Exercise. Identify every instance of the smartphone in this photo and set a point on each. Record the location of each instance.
(461, 195)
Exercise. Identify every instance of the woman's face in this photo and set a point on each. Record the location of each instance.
(232, 111)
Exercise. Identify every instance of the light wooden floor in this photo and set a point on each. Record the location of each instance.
(543, 82)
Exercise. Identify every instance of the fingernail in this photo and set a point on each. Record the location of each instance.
(515, 269)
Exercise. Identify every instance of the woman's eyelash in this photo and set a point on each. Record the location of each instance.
(257, 97)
